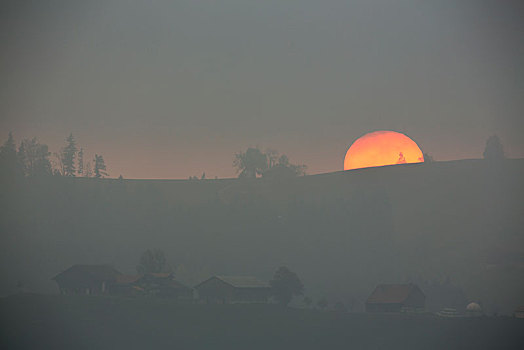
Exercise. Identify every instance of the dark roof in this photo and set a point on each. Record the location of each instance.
(239, 281)
(391, 293)
(98, 272)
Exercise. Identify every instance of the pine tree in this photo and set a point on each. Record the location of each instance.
(100, 166)
(80, 170)
(9, 165)
(87, 171)
(68, 156)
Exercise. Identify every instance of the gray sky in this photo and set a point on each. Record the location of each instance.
(168, 89)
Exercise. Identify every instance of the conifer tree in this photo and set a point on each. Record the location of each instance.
(69, 155)
(80, 170)
(100, 166)
(9, 165)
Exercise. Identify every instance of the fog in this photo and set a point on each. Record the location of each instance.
(171, 174)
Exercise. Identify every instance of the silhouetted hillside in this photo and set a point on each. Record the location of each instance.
(457, 222)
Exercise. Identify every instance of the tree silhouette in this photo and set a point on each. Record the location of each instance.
(285, 284)
(282, 168)
(494, 149)
(34, 158)
(250, 163)
(152, 261)
(9, 163)
(272, 157)
(100, 166)
(88, 172)
(428, 158)
(253, 163)
(80, 170)
(68, 156)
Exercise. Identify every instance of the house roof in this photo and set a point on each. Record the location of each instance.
(391, 293)
(243, 281)
(97, 272)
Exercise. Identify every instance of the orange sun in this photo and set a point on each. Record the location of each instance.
(380, 148)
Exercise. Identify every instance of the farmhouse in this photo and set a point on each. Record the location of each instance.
(396, 298)
(86, 279)
(233, 289)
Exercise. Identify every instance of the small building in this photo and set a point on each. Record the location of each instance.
(396, 298)
(233, 289)
(86, 279)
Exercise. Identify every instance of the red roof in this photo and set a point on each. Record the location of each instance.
(391, 293)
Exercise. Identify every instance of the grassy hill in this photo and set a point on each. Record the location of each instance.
(454, 222)
(55, 322)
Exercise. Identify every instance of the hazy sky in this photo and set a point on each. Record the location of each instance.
(168, 89)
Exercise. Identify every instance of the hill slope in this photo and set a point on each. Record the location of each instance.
(342, 232)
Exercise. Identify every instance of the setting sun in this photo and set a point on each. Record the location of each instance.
(380, 148)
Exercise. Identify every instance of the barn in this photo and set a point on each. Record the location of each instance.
(233, 289)
(396, 298)
(86, 279)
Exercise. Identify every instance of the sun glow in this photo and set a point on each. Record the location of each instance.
(380, 148)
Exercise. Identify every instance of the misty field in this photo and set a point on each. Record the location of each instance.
(56, 322)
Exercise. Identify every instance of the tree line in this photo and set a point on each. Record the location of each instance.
(254, 163)
(33, 159)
